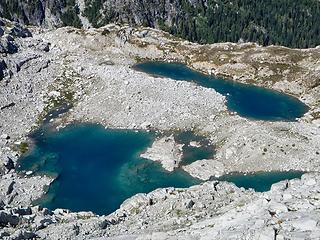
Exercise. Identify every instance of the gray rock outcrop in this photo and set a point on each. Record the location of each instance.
(214, 209)
(205, 168)
(92, 71)
(166, 151)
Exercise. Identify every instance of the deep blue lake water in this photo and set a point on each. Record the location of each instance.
(247, 100)
(97, 169)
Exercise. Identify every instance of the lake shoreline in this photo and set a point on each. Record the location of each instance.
(54, 175)
(92, 71)
(283, 107)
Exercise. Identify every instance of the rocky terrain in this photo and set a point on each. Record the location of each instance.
(290, 210)
(92, 72)
(134, 102)
(57, 13)
(45, 13)
(166, 151)
(202, 21)
(287, 211)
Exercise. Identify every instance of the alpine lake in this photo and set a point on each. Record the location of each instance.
(96, 169)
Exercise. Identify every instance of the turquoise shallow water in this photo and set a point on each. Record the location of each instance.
(205, 150)
(97, 169)
(247, 100)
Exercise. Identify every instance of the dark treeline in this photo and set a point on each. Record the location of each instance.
(282, 22)
(290, 23)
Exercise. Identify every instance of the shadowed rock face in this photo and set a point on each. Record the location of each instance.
(50, 12)
(10, 35)
(148, 13)
(21, 11)
(46, 13)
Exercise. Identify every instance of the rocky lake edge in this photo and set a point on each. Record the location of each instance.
(92, 70)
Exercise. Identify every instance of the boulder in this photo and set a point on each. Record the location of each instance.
(166, 151)
(3, 67)
(9, 164)
(9, 38)
(5, 136)
(10, 187)
(8, 219)
(305, 224)
(19, 31)
(277, 208)
(22, 211)
(189, 203)
(205, 169)
(142, 34)
(308, 180)
(43, 46)
(46, 211)
(7, 46)
(195, 144)
(2, 204)
(42, 222)
(280, 186)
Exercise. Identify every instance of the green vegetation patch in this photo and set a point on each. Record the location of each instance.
(23, 147)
